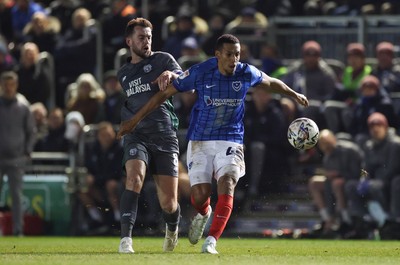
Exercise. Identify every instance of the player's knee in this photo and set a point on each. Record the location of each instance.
(226, 184)
(169, 206)
(134, 182)
(338, 183)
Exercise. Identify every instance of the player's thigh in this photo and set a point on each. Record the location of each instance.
(165, 173)
(229, 161)
(135, 159)
(135, 174)
(317, 183)
(200, 156)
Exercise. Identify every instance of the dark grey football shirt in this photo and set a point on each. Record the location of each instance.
(136, 81)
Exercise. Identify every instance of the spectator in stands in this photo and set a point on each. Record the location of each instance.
(42, 30)
(22, 13)
(342, 162)
(98, 8)
(386, 71)
(312, 8)
(271, 62)
(354, 72)
(191, 53)
(276, 7)
(183, 104)
(104, 179)
(54, 140)
(63, 10)
(7, 61)
(114, 99)
(266, 143)
(377, 192)
(347, 94)
(75, 52)
(113, 24)
(39, 113)
(35, 77)
(307, 75)
(87, 97)
(17, 134)
(216, 25)
(248, 22)
(246, 55)
(6, 28)
(372, 100)
(185, 28)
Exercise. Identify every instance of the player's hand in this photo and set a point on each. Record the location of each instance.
(302, 100)
(125, 127)
(163, 80)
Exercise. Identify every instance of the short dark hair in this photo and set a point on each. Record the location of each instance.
(225, 38)
(8, 75)
(141, 22)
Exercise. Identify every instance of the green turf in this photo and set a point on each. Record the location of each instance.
(97, 251)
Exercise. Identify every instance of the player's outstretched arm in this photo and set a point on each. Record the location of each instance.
(275, 85)
(165, 79)
(154, 102)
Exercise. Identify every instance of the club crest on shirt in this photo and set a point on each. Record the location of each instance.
(208, 100)
(237, 85)
(133, 151)
(147, 68)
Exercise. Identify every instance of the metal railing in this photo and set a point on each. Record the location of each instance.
(333, 33)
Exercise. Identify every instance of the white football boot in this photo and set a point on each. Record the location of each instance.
(125, 246)
(197, 226)
(171, 239)
(209, 246)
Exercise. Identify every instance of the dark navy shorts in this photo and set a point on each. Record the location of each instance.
(158, 151)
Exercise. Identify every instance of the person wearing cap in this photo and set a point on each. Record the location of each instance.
(376, 193)
(387, 72)
(354, 72)
(307, 76)
(185, 28)
(17, 132)
(191, 53)
(371, 100)
(249, 21)
(347, 94)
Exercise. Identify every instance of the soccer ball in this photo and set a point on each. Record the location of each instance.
(303, 133)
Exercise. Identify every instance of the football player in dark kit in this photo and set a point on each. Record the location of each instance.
(154, 144)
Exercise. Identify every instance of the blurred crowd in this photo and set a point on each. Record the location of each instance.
(51, 47)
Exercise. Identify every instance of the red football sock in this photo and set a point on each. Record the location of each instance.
(222, 212)
(202, 209)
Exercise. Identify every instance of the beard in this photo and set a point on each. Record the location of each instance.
(141, 52)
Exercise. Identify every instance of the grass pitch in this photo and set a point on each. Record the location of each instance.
(97, 251)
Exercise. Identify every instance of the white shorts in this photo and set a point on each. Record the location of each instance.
(208, 159)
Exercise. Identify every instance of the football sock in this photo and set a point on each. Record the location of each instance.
(202, 209)
(222, 212)
(345, 216)
(376, 211)
(172, 219)
(325, 216)
(95, 214)
(128, 208)
(117, 215)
